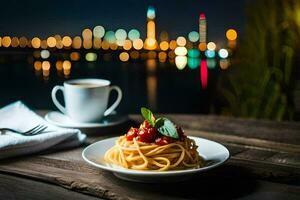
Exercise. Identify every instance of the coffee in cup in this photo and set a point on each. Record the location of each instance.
(86, 100)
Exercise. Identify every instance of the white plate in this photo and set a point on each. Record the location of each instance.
(214, 154)
(59, 119)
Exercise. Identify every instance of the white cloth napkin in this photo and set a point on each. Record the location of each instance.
(18, 116)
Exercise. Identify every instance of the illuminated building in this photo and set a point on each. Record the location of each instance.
(150, 42)
(202, 31)
(202, 28)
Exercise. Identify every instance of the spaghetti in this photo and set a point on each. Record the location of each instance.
(134, 154)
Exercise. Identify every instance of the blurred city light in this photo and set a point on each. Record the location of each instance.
(231, 34)
(211, 63)
(193, 53)
(211, 46)
(151, 12)
(210, 53)
(110, 37)
(164, 45)
(91, 57)
(181, 41)
(127, 45)
(193, 63)
(224, 64)
(133, 34)
(87, 34)
(45, 54)
(51, 42)
(77, 42)
(46, 65)
(138, 44)
(121, 34)
(74, 56)
(193, 36)
(67, 41)
(203, 74)
(180, 62)
(98, 31)
(223, 53)
(6, 41)
(35, 42)
(180, 51)
(124, 56)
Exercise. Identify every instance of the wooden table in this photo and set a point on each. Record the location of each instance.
(264, 164)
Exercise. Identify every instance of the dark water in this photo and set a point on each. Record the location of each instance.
(160, 86)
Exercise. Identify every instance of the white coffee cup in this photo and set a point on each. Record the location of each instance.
(86, 99)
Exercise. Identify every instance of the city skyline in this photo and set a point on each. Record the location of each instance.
(54, 21)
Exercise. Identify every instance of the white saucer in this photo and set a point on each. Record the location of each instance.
(59, 119)
(213, 153)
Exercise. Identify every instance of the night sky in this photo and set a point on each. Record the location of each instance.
(178, 17)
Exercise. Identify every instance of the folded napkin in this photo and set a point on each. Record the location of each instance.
(19, 117)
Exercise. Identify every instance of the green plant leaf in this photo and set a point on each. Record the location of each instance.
(166, 127)
(148, 115)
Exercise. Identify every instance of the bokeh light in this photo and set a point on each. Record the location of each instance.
(193, 63)
(173, 44)
(23, 42)
(105, 45)
(77, 42)
(45, 54)
(36, 42)
(138, 44)
(202, 46)
(210, 53)
(59, 65)
(37, 65)
(181, 41)
(164, 45)
(133, 34)
(6, 41)
(75, 56)
(87, 34)
(97, 43)
(223, 53)
(211, 46)
(162, 56)
(51, 42)
(193, 36)
(91, 57)
(151, 12)
(127, 45)
(110, 37)
(164, 36)
(67, 41)
(120, 34)
(211, 63)
(44, 44)
(180, 62)
(98, 31)
(231, 34)
(46, 65)
(124, 56)
(180, 51)
(193, 53)
(67, 65)
(15, 42)
(224, 64)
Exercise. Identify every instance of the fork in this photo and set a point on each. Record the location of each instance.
(34, 131)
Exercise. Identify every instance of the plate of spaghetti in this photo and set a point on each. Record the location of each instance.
(157, 151)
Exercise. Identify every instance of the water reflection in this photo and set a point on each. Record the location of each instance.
(151, 83)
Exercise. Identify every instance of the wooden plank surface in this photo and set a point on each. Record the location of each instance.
(261, 150)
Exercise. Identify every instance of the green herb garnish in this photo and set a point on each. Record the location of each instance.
(162, 124)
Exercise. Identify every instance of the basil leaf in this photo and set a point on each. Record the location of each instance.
(166, 127)
(148, 115)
